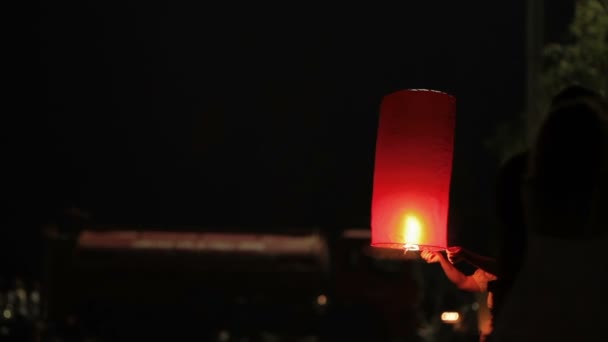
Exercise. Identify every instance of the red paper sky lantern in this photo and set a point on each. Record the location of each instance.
(413, 168)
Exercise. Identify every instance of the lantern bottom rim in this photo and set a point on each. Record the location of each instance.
(401, 246)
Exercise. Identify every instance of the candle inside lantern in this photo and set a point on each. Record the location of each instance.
(413, 230)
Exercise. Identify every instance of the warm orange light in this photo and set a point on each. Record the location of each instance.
(450, 317)
(412, 170)
(322, 300)
(413, 230)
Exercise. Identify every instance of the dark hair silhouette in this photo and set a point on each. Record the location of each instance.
(510, 213)
(574, 92)
(512, 231)
(566, 163)
(508, 189)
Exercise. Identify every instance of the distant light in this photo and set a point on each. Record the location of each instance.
(7, 314)
(322, 300)
(357, 234)
(224, 335)
(450, 317)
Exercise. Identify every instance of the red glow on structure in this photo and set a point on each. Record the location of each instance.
(413, 169)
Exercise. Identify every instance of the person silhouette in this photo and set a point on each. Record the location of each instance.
(560, 291)
(511, 227)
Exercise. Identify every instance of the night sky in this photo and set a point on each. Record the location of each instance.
(167, 115)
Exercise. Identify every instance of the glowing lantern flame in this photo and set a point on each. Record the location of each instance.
(413, 230)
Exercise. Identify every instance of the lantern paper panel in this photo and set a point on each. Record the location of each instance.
(412, 171)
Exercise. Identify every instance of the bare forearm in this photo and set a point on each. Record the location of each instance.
(453, 274)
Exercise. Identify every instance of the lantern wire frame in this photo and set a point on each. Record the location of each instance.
(409, 247)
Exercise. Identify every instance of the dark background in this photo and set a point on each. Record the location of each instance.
(168, 115)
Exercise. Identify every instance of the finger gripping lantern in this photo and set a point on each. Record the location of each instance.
(412, 170)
